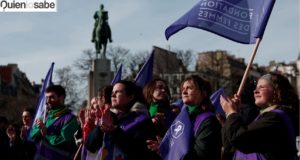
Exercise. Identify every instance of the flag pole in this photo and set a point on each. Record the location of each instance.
(45, 114)
(258, 40)
(77, 152)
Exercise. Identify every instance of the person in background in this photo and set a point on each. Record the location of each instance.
(92, 139)
(125, 126)
(15, 150)
(54, 137)
(271, 135)
(19, 147)
(28, 146)
(89, 117)
(157, 95)
(27, 119)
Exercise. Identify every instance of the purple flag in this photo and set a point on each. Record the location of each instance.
(215, 100)
(41, 106)
(146, 73)
(238, 20)
(118, 76)
(177, 140)
(132, 122)
(178, 103)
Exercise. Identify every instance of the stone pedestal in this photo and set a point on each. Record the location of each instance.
(100, 75)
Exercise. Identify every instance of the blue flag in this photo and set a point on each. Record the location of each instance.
(177, 140)
(41, 106)
(118, 76)
(238, 20)
(178, 103)
(146, 73)
(215, 100)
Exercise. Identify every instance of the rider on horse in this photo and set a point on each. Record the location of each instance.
(101, 32)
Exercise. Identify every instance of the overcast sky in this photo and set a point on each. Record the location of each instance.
(34, 40)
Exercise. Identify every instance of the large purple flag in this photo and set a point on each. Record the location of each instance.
(146, 73)
(118, 76)
(215, 100)
(177, 140)
(41, 106)
(239, 20)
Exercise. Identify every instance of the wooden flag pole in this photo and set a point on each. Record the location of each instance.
(45, 114)
(77, 152)
(258, 40)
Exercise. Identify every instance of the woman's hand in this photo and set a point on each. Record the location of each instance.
(106, 123)
(23, 133)
(159, 118)
(229, 105)
(153, 145)
(11, 133)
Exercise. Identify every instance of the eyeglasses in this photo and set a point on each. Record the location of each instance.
(160, 87)
(263, 88)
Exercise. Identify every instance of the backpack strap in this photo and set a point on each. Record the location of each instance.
(199, 119)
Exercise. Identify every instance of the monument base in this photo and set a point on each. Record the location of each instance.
(100, 76)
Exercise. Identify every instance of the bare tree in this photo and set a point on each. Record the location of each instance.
(68, 79)
(135, 63)
(84, 63)
(83, 66)
(187, 58)
(117, 55)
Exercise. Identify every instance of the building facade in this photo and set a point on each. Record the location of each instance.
(16, 92)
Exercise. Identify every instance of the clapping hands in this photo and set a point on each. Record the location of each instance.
(106, 122)
(230, 105)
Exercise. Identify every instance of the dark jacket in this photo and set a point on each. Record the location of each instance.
(247, 113)
(132, 142)
(268, 135)
(162, 126)
(207, 141)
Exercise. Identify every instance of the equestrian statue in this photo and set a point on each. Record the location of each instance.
(101, 32)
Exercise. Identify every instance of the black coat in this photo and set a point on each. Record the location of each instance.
(268, 135)
(132, 142)
(207, 142)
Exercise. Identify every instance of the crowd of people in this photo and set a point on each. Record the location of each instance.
(127, 122)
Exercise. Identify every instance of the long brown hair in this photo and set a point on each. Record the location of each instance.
(150, 87)
(285, 96)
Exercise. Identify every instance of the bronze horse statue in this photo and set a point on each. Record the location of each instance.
(101, 33)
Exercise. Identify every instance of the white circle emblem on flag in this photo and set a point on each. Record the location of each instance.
(177, 129)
